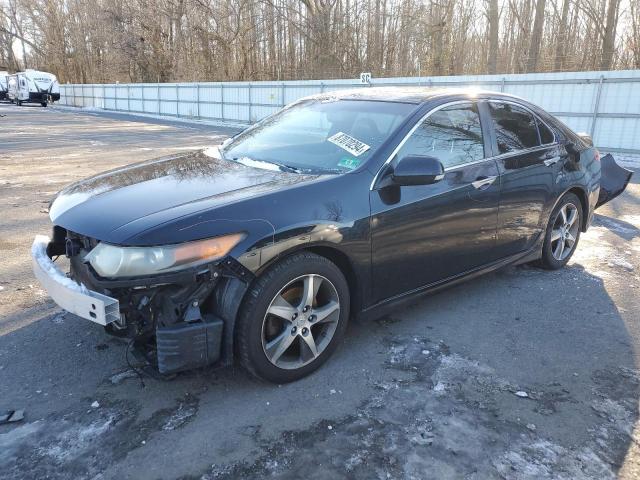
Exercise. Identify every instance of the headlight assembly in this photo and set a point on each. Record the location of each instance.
(113, 261)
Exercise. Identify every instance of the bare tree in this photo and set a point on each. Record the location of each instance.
(493, 15)
(609, 34)
(561, 36)
(186, 40)
(536, 36)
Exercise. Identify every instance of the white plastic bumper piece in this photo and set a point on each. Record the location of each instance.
(71, 296)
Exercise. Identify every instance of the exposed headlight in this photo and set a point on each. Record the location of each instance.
(112, 261)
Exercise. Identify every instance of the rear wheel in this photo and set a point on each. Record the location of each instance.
(44, 104)
(293, 318)
(563, 233)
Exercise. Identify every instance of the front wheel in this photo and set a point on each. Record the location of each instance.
(563, 233)
(293, 317)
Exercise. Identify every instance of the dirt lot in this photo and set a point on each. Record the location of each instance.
(433, 391)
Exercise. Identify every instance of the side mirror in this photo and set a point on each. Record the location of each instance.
(417, 170)
(573, 150)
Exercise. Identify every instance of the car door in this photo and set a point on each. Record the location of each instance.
(424, 234)
(24, 90)
(529, 160)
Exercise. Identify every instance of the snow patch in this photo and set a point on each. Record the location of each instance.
(74, 442)
(213, 152)
(615, 413)
(620, 262)
(455, 369)
(122, 376)
(626, 159)
(39, 254)
(543, 459)
(258, 164)
(180, 417)
(354, 461)
(12, 440)
(615, 225)
(632, 219)
(439, 387)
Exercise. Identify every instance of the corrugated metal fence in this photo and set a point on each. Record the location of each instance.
(604, 104)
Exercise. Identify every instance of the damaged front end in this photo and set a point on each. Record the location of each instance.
(178, 320)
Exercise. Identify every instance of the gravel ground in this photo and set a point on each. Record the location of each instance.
(523, 374)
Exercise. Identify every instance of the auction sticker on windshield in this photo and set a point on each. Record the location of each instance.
(348, 162)
(347, 142)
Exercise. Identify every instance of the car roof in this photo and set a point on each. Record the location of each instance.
(415, 95)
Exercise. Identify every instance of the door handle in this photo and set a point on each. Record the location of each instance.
(551, 160)
(483, 182)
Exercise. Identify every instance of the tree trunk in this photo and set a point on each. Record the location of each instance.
(494, 27)
(609, 37)
(536, 37)
(561, 38)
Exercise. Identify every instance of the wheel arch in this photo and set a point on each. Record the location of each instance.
(581, 193)
(230, 296)
(334, 255)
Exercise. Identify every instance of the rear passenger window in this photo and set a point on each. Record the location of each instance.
(452, 135)
(546, 135)
(515, 127)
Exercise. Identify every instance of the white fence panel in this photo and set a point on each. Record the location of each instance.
(604, 104)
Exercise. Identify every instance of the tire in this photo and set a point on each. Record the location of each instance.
(44, 104)
(19, 103)
(550, 259)
(261, 337)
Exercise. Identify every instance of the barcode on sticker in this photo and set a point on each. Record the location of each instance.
(348, 143)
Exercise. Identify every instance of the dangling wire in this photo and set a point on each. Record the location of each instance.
(135, 368)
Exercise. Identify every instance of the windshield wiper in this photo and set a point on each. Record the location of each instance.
(283, 167)
(264, 164)
(286, 168)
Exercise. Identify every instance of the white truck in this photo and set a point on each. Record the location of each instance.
(3, 85)
(32, 86)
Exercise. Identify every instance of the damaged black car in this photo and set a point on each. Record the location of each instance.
(260, 250)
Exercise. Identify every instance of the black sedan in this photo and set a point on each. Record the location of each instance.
(339, 205)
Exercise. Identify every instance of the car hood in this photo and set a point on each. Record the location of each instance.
(117, 204)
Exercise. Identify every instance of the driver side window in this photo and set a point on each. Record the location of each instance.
(452, 134)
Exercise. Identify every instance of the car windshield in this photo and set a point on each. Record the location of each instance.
(320, 136)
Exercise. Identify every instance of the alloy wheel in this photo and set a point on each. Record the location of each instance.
(300, 322)
(564, 232)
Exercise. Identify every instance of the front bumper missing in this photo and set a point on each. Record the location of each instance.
(71, 296)
(163, 313)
